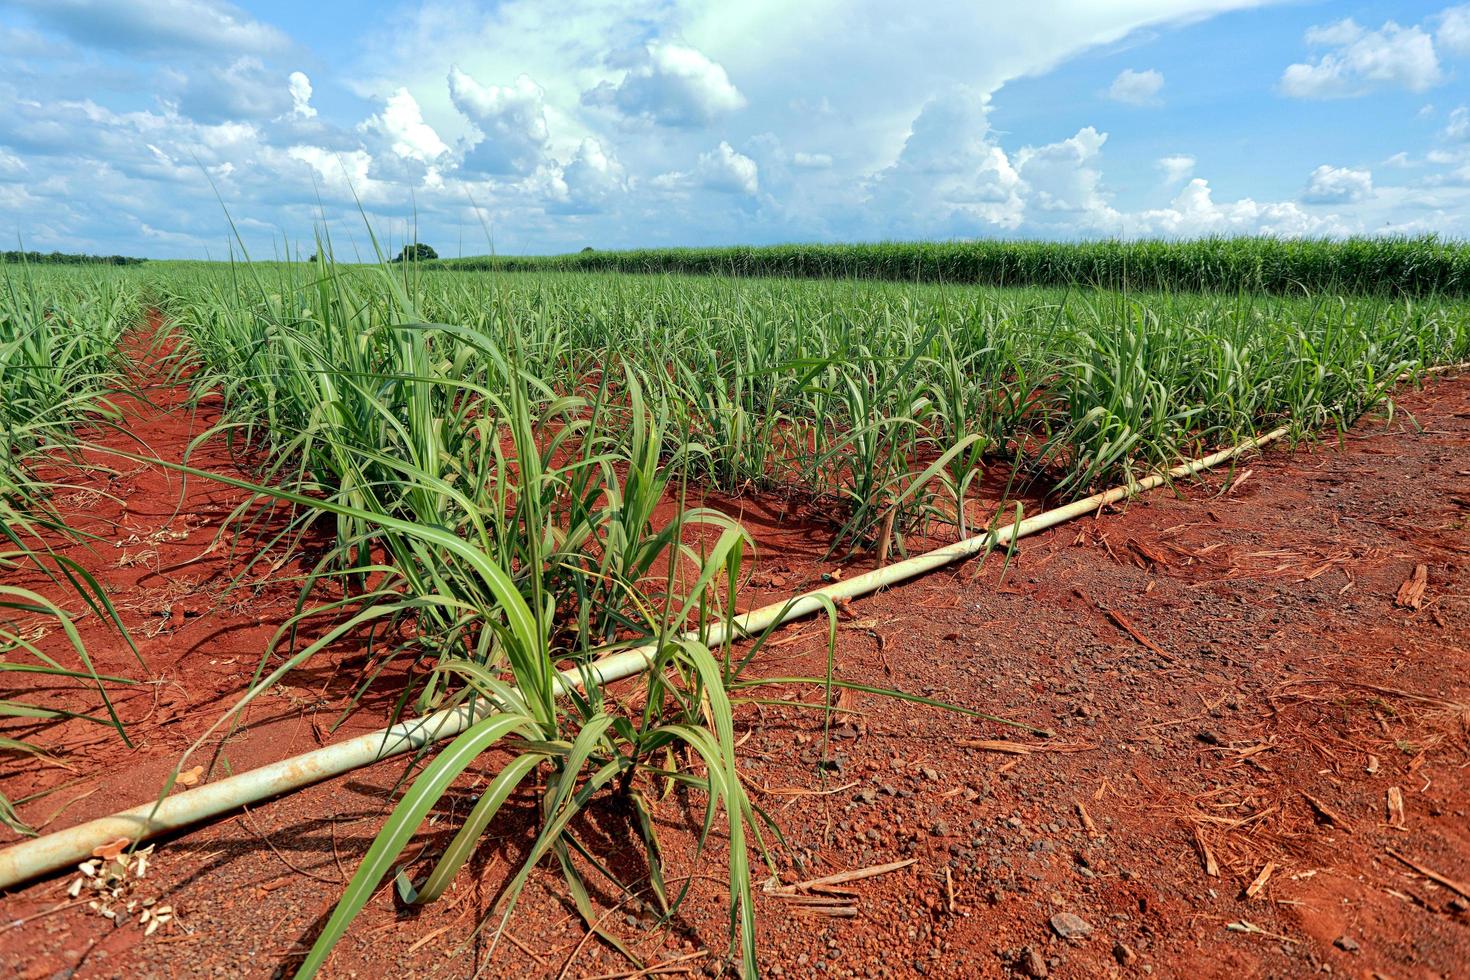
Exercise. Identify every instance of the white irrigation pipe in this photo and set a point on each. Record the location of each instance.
(32, 858)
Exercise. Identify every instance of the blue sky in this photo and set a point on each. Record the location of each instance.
(126, 123)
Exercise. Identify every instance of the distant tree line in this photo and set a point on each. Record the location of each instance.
(67, 258)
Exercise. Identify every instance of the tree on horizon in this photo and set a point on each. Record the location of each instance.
(417, 252)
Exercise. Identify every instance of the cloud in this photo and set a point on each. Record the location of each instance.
(94, 176)
(300, 88)
(723, 169)
(401, 124)
(171, 237)
(811, 161)
(1359, 60)
(589, 182)
(342, 173)
(510, 121)
(11, 166)
(1176, 167)
(850, 94)
(890, 115)
(20, 42)
(1194, 212)
(157, 27)
(1137, 87)
(244, 89)
(1061, 182)
(1337, 185)
(1458, 177)
(1453, 32)
(950, 175)
(1458, 128)
(672, 85)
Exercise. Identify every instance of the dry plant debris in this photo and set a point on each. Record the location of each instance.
(1411, 593)
(110, 883)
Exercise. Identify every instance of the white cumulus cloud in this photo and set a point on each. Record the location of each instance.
(1195, 212)
(673, 85)
(589, 182)
(341, 173)
(1453, 32)
(1357, 60)
(1137, 87)
(300, 88)
(510, 119)
(725, 169)
(950, 177)
(402, 124)
(1175, 167)
(1337, 185)
(1061, 180)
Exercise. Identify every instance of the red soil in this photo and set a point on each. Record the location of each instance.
(1212, 663)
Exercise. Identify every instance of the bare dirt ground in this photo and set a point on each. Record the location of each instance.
(1259, 766)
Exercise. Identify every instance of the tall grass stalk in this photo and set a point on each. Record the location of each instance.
(59, 367)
